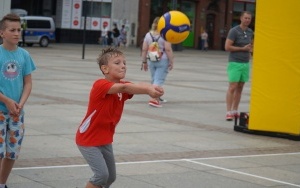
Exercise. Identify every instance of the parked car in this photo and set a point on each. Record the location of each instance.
(39, 30)
(19, 12)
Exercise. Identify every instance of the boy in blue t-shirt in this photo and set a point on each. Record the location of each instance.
(16, 67)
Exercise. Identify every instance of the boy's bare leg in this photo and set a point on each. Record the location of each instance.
(6, 166)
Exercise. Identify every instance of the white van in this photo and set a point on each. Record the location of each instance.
(39, 30)
(19, 12)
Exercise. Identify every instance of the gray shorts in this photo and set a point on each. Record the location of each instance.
(102, 162)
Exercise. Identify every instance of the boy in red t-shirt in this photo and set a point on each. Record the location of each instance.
(94, 136)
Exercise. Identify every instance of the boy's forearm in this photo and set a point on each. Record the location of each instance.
(26, 90)
(3, 98)
(140, 88)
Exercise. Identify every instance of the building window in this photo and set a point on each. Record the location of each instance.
(41, 24)
(97, 9)
(239, 7)
(250, 7)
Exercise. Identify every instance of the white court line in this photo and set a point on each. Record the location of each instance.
(243, 173)
(186, 160)
(160, 161)
(246, 156)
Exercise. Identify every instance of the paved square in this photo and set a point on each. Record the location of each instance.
(187, 143)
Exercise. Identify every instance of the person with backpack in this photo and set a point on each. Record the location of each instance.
(157, 56)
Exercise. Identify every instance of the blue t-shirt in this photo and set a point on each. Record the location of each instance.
(240, 38)
(14, 65)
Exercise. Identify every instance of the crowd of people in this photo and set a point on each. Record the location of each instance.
(115, 37)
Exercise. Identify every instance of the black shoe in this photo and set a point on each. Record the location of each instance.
(6, 186)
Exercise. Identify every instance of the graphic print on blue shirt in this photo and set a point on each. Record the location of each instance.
(10, 70)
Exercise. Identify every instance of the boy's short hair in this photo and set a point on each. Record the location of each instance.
(9, 17)
(106, 54)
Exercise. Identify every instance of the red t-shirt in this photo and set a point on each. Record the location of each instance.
(103, 114)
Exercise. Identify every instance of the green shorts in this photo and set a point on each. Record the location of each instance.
(238, 72)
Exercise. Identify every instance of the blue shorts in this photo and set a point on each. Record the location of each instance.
(159, 71)
(11, 135)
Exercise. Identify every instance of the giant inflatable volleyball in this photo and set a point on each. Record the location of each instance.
(174, 26)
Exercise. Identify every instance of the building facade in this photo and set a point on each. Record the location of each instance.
(4, 7)
(77, 18)
(215, 16)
